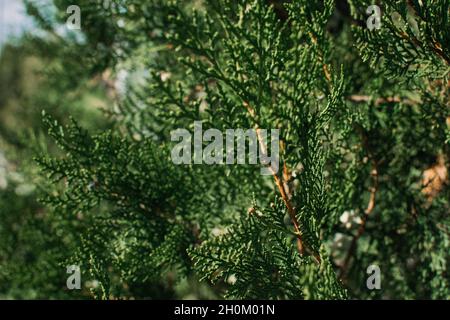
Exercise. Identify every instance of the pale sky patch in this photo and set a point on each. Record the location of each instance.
(13, 19)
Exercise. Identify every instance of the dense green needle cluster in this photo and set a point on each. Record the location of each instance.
(364, 121)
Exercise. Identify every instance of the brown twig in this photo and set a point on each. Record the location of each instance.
(362, 227)
(436, 47)
(325, 66)
(367, 212)
(363, 98)
(284, 192)
(286, 179)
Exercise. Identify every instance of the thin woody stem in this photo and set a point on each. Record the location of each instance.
(436, 47)
(363, 98)
(362, 227)
(284, 192)
(325, 66)
(367, 212)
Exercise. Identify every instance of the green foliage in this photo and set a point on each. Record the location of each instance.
(364, 148)
(260, 262)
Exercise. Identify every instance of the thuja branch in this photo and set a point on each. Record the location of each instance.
(436, 47)
(302, 248)
(362, 227)
(325, 66)
(370, 206)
